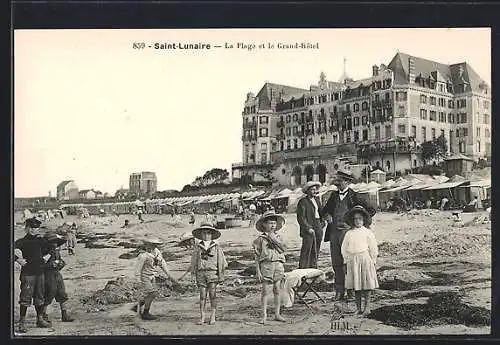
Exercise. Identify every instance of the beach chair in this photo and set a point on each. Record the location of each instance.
(302, 281)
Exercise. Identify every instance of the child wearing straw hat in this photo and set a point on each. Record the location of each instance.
(269, 250)
(359, 251)
(54, 281)
(145, 274)
(207, 265)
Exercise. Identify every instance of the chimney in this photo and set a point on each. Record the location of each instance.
(374, 70)
(411, 70)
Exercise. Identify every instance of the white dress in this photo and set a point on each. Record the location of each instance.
(360, 251)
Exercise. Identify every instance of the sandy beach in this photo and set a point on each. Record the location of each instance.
(421, 253)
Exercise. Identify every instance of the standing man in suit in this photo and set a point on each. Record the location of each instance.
(311, 225)
(336, 207)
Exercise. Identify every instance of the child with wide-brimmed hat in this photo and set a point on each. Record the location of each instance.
(269, 249)
(207, 265)
(54, 281)
(359, 251)
(147, 261)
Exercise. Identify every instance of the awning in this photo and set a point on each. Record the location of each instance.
(420, 186)
(395, 189)
(480, 184)
(446, 185)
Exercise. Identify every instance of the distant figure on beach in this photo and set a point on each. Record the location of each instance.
(311, 225)
(139, 214)
(444, 202)
(269, 249)
(71, 238)
(208, 264)
(126, 224)
(192, 218)
(359, 252)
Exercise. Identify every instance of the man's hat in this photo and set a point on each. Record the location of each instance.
(345, 175)
(310, 184)
(349, 216)
(197, 232)
(54, 238)
(152, 241)
(270, 215)
(33, 223)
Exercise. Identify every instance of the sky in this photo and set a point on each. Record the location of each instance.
(89, 107)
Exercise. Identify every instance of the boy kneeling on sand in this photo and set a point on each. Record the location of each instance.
(145, 275)
(269, 251)
(207, 264)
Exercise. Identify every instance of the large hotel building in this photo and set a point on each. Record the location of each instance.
(292, 135)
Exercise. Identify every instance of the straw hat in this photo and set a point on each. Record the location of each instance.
(349, 217)
(345, 175)
(54, 238)
(152, 241)
(310, 184)
(197, 232)
(280, 220)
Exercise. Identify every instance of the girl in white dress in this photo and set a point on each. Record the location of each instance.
(359, 250)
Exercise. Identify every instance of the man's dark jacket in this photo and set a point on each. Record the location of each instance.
(352, 199)
(306, 214)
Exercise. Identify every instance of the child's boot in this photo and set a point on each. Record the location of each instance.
(46, 316)
(147, 316)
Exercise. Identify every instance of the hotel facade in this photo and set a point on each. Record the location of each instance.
(292, 135)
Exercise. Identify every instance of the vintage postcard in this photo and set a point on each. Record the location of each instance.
(252, 182)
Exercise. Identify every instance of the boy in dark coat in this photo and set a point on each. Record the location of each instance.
(31, 252)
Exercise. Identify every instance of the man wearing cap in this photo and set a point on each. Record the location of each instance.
(339, 203)
(145, 274)
(31, 252)
(311, 225)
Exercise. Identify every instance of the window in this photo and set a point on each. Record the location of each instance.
(288, 144)
(424, 134)
(377, 133)
(432, 100)
(401, 111)
(486, 132)
(463, 118)
(364, 106)
(451, 118)
(334, 110)
(295, 144)
(388, 165)
(451, 104)
(365, 134)
(356, 136)
(387, 96)
(294, 130)
(263, 146)
(356, 107)
(264, 119)
(335, 139)
(486, 119)
(442, 132)
(401, 96)
(302, 142)
(414, 131)
(458, 133)
(423, 114)
(433, 133)
(295, 117)
(486, 105)
(432, 115)
(288, 131)
(356, 121)
(263, 132)
(442, 116)
(348, 107)
(263, 157)
(388, 130)
(274, 146)
(309, 142)
(465, 132)
(478, 146)
(423, 99)
(461, 103)
(282, 145)
(322, 140)
(377, 97)
(442, 102)
(288, 118)
(402, 129)
(478, 131)
(364, 120)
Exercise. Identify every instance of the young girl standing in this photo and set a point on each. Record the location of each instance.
(359, 250)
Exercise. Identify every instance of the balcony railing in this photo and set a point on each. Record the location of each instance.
(248, 125)
(368, 150)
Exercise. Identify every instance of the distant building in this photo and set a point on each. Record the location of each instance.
(143, 184)
(67, 190)
(293, 135)
(121, 194)
(87, 194)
